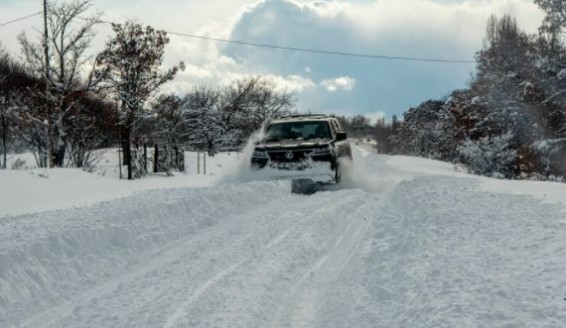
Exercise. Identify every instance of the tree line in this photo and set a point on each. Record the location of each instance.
(511, 119)
(63, 104)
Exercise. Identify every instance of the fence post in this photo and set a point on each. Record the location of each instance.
(204, 161)
(120, 162)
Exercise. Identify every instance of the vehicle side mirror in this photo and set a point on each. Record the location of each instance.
(341, 136)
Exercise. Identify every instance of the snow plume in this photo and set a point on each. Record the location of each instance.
(242, 172)
(360, 173)
(356, 174)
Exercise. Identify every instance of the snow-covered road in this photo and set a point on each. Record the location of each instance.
(401, 248)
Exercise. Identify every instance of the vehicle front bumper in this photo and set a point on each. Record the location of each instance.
(319, 170)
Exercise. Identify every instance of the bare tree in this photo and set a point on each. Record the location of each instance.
(258, 98)
(69, 39)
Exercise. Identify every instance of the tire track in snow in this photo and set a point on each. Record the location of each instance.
(182, 309)
(250, 294)
(300, 303)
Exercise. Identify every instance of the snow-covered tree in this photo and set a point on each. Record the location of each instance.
(169, 125)
(205, 129)
(424, 131)
(21, 107)
(555, 18)
(248, 103)
(224, 118)
(132, 61)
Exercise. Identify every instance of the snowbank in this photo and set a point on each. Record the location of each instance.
(51, 257)
(402, 168)
(35, 190)
(548, 192)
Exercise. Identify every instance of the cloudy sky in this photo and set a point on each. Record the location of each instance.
(451, 29)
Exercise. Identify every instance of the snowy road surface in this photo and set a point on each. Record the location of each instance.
(410, 248)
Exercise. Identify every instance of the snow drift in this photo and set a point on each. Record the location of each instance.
(48, 258)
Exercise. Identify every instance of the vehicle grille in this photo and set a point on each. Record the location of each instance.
(282, 156)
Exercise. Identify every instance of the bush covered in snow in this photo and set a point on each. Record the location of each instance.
(489, 156)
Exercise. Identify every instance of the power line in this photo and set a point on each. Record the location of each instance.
(317, 51)
(324, 52)
(20, 19)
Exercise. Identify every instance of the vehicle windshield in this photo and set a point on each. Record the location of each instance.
(297, 131)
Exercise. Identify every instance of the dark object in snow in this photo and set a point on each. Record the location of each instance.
(309, 186)
(304, 186)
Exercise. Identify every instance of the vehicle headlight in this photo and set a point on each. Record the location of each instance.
(321, 151)
(259, 154)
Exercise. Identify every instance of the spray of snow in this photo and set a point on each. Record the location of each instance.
(242, 172)
(357, 174)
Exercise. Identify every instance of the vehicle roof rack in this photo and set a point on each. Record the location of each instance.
(306, 116)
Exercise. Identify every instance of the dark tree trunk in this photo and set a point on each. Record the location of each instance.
(127, 150)
(59, 155)
(155, 159)
(145, 158)
(177, 159)
(4, 141)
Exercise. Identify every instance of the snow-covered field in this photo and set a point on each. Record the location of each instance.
(407, 242)
(35, 190)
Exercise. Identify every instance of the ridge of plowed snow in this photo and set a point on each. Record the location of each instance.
(47, 258)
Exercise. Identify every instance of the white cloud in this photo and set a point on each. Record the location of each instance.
(292, 83)
(225, 71)
(343, 83)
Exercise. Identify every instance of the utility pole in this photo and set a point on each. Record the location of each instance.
(46, 77)
(119, 138)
